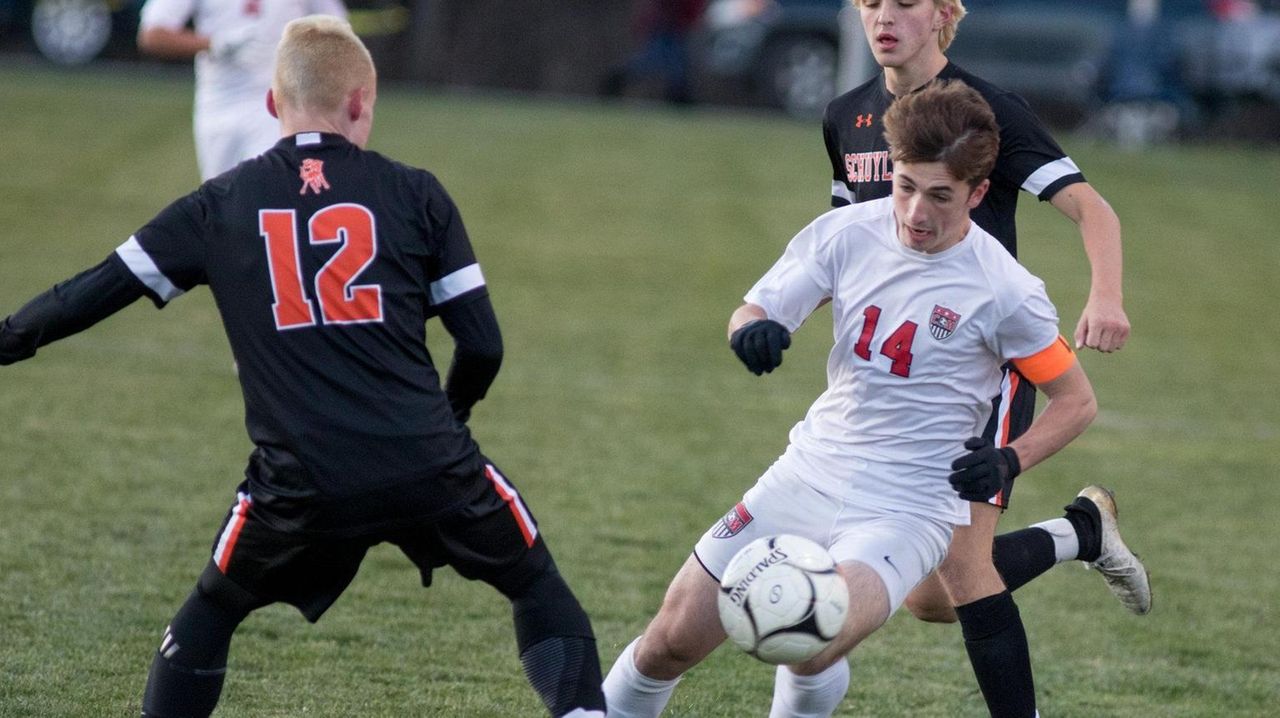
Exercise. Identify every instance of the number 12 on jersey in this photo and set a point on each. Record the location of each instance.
(352, 226)
(897, 347)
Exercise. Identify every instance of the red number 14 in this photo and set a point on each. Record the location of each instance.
(897, 347)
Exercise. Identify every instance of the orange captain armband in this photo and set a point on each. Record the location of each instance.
(1047, 364)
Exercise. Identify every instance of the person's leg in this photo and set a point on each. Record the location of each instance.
(814, 689)
(556, 644)
(994, 636)
(496, 539)
(1088, 531)
(881, 556)
(686, 629)
(185, 680)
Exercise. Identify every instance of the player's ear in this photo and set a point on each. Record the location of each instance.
(977, 193)
(944, 16)
(355, 104)
(271, 104)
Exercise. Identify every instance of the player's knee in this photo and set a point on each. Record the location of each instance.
(930, 610)
(225, 594)
(671, 645)
(545, 607)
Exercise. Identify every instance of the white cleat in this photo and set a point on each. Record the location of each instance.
(1121, 568)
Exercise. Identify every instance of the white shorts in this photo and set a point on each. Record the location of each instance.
(229, 137)
(902, 548)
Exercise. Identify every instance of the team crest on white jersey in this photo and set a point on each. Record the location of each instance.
(943, 322)
(733, 522)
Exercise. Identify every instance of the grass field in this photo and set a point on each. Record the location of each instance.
(616, 241)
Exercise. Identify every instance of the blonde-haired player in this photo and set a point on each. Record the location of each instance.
(233, 42)
(326, 261)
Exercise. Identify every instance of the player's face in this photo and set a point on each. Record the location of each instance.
(932, 207)
(902, 32)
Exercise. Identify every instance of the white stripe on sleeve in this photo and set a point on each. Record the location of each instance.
(457, 283)
(145, 269)
(1048, 174)
(838, 189)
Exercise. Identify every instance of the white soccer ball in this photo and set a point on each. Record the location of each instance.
(781, 599)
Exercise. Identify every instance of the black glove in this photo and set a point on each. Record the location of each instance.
(759, 345)
(982, 472)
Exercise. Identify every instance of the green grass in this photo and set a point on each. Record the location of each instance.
(616, 242)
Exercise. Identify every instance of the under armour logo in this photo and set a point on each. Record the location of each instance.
(864, 121)
(312, 174)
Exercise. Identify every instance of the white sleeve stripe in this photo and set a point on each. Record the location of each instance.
(145, 269)
(1048, 174)
(457, 283)
(838, 189)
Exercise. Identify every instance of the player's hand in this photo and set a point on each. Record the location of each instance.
(1103, 326)
(759, 344)
(16, 344)
(982, 472)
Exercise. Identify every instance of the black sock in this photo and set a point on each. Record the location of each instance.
(556, 643)
(1022, 555)
(565, 671)
(187, 672)
(997, 646)
(1084, 517)
(174, 691)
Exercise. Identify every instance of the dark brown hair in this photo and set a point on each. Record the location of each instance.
(947, 122)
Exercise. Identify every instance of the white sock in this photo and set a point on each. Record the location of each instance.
(583, 713)
(631, 694)
(808, 696)
(1066, 545)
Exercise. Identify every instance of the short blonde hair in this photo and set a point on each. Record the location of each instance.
(948, 31)
(319, 62)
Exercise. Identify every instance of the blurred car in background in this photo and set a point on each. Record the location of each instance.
(786, 53)
(73, 32)
(1070, 56)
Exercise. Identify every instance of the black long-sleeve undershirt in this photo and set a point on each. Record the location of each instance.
(477, 353)
(68, 307)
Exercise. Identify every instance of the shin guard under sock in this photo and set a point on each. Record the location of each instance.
(997, 645)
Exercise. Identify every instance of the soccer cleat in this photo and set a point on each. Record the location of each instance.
(1120, 567)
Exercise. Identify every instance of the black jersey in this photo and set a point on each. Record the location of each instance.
(325, 261)
(1029, 157)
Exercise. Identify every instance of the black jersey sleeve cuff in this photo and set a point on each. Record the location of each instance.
(1059, 184)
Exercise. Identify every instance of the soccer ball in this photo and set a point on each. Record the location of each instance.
(781, 599)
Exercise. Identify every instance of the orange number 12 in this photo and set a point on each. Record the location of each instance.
(340, 301)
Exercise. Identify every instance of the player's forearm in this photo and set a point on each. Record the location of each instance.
(1100, 232)
(744, 315)
(1069, 411)
(477, 354)
(171, 44)
(67, 308)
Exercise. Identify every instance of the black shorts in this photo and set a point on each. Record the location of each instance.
(1012, 411)
(494, 539)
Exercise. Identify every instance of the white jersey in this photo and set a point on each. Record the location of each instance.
(919, 342)
(228, 86)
